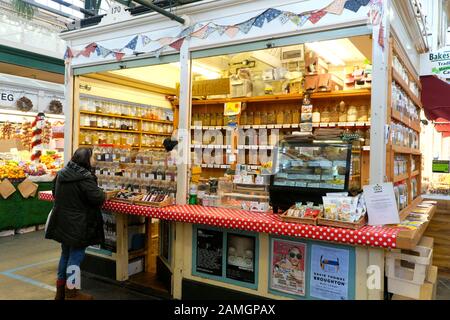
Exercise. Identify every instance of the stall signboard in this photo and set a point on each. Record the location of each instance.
(10, 95)
(436, 63)
(329, 276)
(287, 269)
(441, 166)
(241, 258)
(209, 258)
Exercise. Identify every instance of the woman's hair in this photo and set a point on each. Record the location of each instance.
(169, 144)
(82, 157)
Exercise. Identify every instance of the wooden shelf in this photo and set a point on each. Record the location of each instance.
(396, 77)
(401, 177)
(290, 126)
(415, 173)
(124, 117)
(405, 150)
(137, 253)
(408, 239)
(361, 93)
(156, 133)
(415, 125)
(110, 130)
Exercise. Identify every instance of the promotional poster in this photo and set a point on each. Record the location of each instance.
(329, 273)
(288, 267)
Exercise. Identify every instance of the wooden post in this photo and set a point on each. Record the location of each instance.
(178, 257)
(362, 262)
(148, 245)
(121, 247)
(184, 121)
(376, 259)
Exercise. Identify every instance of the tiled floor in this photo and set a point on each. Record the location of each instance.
(28, 269)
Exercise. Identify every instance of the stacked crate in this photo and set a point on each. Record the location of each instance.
(411, 274)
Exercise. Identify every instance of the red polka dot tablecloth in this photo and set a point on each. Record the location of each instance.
(384, 237)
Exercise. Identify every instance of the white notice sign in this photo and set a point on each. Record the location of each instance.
(381, 204)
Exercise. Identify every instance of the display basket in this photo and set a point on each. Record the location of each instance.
(343, 224)
(305, 220)
(111, 194)
(166, 203)
(127, 201)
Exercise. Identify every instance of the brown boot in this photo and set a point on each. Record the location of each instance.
(60, 290)
(75, 294)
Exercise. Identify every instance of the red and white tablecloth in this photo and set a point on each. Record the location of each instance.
(384, 237)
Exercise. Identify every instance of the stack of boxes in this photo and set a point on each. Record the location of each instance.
(411, 274)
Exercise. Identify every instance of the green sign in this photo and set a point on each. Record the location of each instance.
(440, 166)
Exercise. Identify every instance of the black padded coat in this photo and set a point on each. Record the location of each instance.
(76, 219)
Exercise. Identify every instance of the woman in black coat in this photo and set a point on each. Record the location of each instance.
(76, 221)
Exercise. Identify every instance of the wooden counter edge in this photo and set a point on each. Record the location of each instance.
(408, 239)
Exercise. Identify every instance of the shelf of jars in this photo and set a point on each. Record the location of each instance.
(359, 93)
(124, 117)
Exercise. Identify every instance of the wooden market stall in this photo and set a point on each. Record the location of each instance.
(212, 251)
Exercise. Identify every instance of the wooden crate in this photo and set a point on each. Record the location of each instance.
(342, 224)
(165, 203)
(311, 221)
(410, 265)
(409, 291)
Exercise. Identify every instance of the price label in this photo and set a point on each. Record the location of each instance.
(240, 147)
(351, 124)
(247, 127)
(210, 166)
(324, 125)
(278, 126)
(295, 125)
(360, 124)
(270, 126)
(253, 147)
(286, 125)
(263, 147)
(316, 125)
(218, 146)
(122, 159)
(331, 124)
(341, 124)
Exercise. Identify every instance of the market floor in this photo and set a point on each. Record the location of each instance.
(28, 266)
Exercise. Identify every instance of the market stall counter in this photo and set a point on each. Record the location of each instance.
(358, 249)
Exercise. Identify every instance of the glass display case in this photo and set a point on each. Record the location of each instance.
(305, 170)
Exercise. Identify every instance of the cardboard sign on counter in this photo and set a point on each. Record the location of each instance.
(6, 189)
(27, 188)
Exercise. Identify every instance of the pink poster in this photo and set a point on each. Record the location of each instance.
(288, 267)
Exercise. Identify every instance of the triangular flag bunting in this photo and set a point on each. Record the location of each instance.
(132, 44)
(336, 7)
(381, 36)
(316, 16)
(259, 21)
(200, 33)
(119, 55)
(284, 17)
(221, 29)
(165, 41)
(103, 51)
(145, 40)
(232, 31)
(246, 26)
(91, 48)
(295, 19)
(177, 44)
(186, 32)
(68, 54)
(272, 14)
(352, 5)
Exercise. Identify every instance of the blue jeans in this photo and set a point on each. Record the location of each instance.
(70, 256)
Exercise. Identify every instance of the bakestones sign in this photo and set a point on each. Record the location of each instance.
(441, 166)
(436, 63)
(329, 273)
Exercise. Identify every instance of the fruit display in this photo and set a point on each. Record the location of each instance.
(11, 170)
(34, 170)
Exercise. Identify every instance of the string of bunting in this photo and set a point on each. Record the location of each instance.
(202, 31)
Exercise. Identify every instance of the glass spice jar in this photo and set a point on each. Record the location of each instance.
(250, 119)
(206, 119)
(342, 112)
(325, 115)
(334, 113)
(352, 114)
(362, 114)
(287, 117)
(264, 118)
(257, 119)
(213, 121)
(271, 118)
(296, 116)
(280, 117)
(243, 120)
(316, 115)
(219, 119)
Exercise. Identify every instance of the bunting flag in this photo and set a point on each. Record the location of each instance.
(381, 36)
(132, 44)
(177, 44)
(145, 40)
(355, 5)
(316, 16)
(201, 31)
(284, 17)
(157, 53)
(165, 41)
(259, 21)
(336, 7)
(232, 31)
(272, 14)
(221, 29)
(246, 26)
(68, 54)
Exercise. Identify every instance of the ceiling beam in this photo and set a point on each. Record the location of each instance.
(160, 10)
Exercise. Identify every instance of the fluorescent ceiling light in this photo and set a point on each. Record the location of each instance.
(205, 71)
(324, 51)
